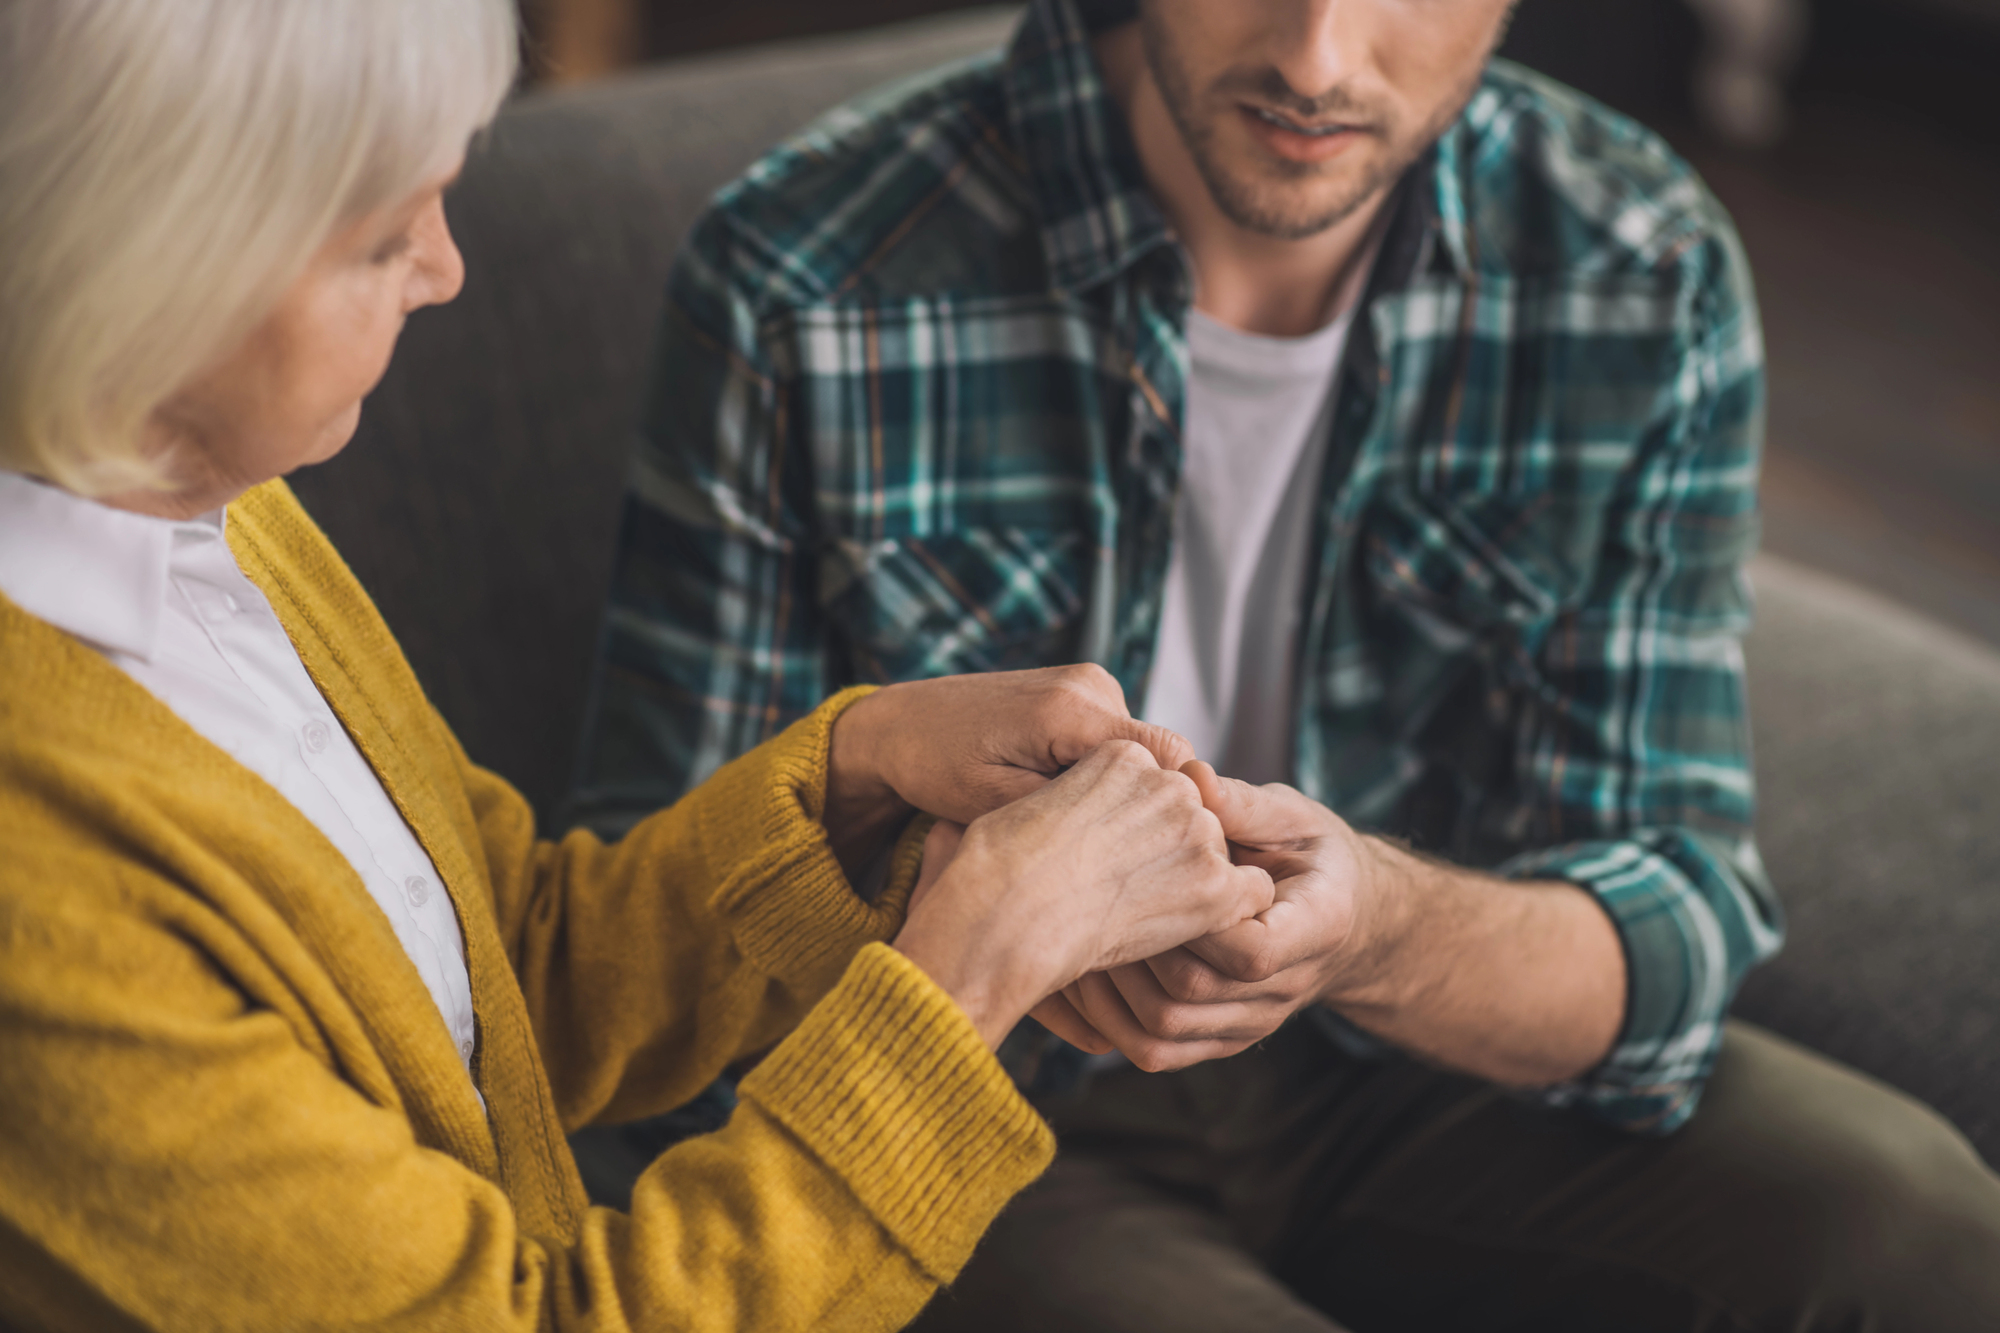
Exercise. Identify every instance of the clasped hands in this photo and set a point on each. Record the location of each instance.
(1087, 869)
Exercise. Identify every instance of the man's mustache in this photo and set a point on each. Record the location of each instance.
(1267, 88)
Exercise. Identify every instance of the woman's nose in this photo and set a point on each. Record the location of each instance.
(439, 271)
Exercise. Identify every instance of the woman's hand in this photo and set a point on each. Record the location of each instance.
(940, 849)
(961, 746)
(1111, 862)
(1055, 1012)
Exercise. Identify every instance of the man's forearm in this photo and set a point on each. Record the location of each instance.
(1522, 982)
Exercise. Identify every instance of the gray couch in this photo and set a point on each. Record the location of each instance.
(479, 504)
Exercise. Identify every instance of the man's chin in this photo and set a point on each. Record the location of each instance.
(1282, 215)
(1288, 201)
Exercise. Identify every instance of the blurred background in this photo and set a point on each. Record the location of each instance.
(1857, 143)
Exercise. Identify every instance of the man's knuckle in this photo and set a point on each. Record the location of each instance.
(1232, 963)
(1260, 965)
(1085, 689)
(1126, 752)
(1093, 677)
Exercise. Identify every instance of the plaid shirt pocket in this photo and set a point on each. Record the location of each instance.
(1464, 565)
(979, 599)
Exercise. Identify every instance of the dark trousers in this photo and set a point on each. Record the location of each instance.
(1292, 1189)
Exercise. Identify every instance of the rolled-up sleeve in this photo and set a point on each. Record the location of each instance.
(1633, 769)
(1693, 915)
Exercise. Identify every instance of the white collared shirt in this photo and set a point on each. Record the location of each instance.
(165, 602)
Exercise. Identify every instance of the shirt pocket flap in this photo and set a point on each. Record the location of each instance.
(1480, 562)
(975, 599)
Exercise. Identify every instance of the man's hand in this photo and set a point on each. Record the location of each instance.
(1115, 860)
(961, 746)
(1217, 995)
(1520, 982)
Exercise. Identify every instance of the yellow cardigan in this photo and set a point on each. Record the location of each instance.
(228, 1102)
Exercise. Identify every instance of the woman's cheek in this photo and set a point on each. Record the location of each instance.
(372, 323)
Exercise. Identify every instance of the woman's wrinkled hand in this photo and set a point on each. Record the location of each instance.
(1110, 862)
(941, 845)
(1054, 1012)
(961, 746)
(1216, 996)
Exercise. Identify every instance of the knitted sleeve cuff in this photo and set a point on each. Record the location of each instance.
(785, 898)
(888, 1083)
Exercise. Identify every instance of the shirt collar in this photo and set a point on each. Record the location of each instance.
(1098, 213)
(88, 569)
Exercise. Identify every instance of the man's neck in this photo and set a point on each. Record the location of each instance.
(1256, 283)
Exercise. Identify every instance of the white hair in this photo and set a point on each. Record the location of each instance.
(169, 167)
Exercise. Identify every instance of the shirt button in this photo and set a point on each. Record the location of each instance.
(419, 890)
(231, 602)
(317, 735)
(465, 1049)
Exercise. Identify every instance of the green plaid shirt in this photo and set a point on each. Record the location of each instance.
(917, 410)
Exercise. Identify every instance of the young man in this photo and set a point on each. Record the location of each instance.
(1388, 424)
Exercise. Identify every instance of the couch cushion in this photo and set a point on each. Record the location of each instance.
(1878, 764)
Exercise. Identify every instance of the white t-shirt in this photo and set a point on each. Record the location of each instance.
(1258, 411)
(165, 602)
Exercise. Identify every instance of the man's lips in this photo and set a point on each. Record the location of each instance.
(1297, 140)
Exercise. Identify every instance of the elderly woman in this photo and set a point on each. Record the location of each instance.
(294, 1007)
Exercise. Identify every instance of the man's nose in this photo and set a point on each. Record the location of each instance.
(1323, 43)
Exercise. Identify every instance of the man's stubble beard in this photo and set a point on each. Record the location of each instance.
(1246, 203)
